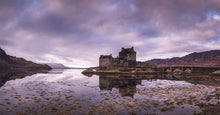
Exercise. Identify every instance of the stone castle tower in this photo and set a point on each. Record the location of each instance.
(127, 58)
(127, 54)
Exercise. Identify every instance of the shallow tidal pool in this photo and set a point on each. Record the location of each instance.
(70, 92)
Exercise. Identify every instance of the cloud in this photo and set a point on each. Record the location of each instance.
(11, 8)
(76, 32)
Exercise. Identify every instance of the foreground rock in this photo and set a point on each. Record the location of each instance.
(216, 72)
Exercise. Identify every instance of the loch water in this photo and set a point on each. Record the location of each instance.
(70, 92)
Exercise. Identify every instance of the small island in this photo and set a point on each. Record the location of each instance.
(126, 64)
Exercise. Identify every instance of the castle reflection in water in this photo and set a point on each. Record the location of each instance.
(126, 86)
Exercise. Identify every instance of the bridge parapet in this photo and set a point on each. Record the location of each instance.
(191, 69)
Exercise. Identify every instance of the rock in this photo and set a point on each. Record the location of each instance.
(216, 72)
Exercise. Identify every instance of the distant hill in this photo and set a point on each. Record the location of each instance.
(207, 58)
(10, 62)
(57, 66)
(61, 66)
(97, 67)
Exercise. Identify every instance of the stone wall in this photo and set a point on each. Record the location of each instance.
(105, 61)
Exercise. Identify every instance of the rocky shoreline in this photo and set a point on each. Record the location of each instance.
(139, 71)
(121, 71)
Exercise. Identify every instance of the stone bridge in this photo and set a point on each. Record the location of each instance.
(186, 69)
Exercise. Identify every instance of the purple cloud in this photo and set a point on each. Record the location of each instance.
(76, 32)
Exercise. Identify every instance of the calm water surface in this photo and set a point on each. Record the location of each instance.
(70, 92)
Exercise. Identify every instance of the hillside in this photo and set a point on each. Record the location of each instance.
(11, 62)
(57, 66)
(207, 58)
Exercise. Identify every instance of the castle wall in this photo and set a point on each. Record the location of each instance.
(132, 56)
(138, 64)
(105, 61)
(128, 56)
(115, 61)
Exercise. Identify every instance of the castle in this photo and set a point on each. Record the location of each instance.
(127, 58)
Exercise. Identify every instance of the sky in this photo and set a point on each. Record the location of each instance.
(76, 32)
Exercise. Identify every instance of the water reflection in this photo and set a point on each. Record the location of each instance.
(10, 75)
(70, 92)
(125, 84)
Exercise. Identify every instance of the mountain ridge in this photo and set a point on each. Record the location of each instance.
(57, 66)
(205, 58)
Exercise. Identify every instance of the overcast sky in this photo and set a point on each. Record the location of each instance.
(76, 32)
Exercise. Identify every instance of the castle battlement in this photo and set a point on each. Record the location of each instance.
(106, 56)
